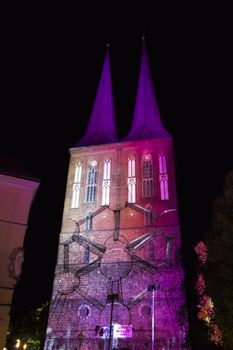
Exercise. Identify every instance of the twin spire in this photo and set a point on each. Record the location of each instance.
(146, 121)
(102, 126)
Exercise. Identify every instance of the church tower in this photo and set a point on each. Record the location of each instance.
(119, 280)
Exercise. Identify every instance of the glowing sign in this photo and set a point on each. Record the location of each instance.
(122, 331)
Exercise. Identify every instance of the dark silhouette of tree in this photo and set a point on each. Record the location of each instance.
(29, 329)
(219, 267)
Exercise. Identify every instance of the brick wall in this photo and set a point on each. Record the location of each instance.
(125, 255)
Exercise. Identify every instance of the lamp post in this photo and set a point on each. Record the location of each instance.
(152, 288)
(157, 217)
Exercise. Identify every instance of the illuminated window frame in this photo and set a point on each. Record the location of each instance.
(106, 182)
(131, 180)
(76, 185)
(147, 176)
(163, 177)
(91, 182)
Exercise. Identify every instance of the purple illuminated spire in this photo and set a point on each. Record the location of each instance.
(102, 126)
(146, 121)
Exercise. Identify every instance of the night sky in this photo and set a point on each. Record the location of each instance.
(51, 65)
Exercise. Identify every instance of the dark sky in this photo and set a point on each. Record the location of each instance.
(51, 64)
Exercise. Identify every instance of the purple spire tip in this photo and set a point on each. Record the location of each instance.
(146, 121)
(102, 126)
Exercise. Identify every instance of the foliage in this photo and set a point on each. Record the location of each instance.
(216, 278)
(219, 240)
(30, 328)
(200, 284)
(201, 251)
(205, 306)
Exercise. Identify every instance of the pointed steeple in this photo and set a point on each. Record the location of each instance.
(101, 128)
(146, 121)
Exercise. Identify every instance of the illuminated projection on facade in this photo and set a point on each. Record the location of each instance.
(119, 279)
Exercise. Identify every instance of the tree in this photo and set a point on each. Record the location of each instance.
(219, 266)
(29, 328)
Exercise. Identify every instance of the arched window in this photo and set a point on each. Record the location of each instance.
(163, 177)
(76, 185)
(86, 256)
(151, 250)
(148, 216)
(91, 182)
(88, 224)
(131, 180)
(168, 250)
(106, 182)
(147, 176)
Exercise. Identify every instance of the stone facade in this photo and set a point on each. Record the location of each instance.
(104, 269)
(119, 281)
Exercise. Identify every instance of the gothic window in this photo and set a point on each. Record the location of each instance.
(163, 177)
(106, 182)
(147, 176)
(168, 250)
(131, 180)
(88, 224)
(91, 182)
(76, 185)
(151, 251)
(86, 256)
(149, 222)
(149, 216)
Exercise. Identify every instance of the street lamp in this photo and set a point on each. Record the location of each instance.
(157, 217)
(152, 288)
